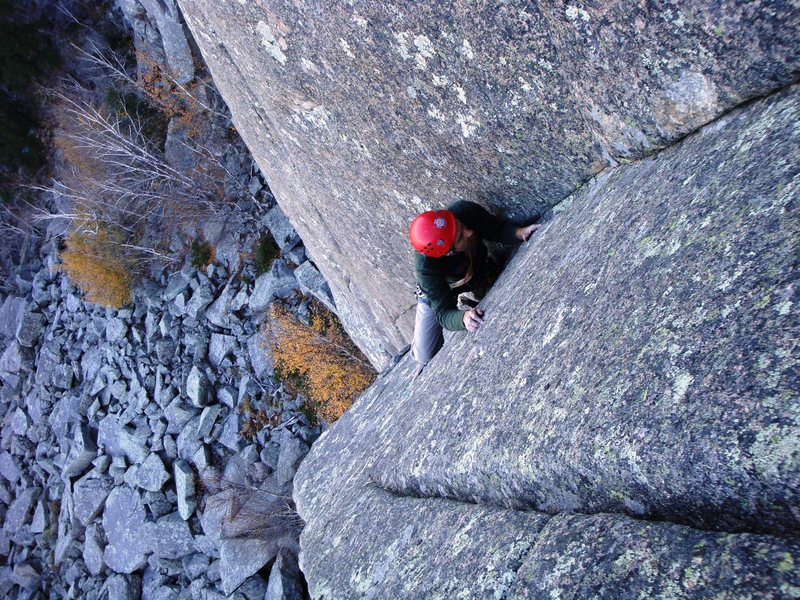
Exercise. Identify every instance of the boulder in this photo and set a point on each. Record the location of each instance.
(12, 312)
(82, 451)
(169, 537)
(197, 387)
(219, 347)
(281, 229)
(12, 361)
(93, 551)
(285, 579)
(19, 512)
(116, 330)
(219, 312)
(177, 283)
(30, 328)
(184, 489)
(152, 475)
(292, 451)
(178, 414)
(176, 46)
(278, 282)
(260, 359)
(242, 558)
(89, 496)
(123, 523)
(312, 283)
(207, 420)
(513, 104)
(201, 298)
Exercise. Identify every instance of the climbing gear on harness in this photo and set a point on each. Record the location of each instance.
(433, 232)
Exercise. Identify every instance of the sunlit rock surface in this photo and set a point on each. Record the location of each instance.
(625, 424)
(361, 114)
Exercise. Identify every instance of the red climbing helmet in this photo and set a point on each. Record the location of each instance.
(432, 232)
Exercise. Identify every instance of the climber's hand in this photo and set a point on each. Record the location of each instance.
(473, 319)
(525, 233)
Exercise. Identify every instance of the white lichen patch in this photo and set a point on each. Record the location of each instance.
(425, 51)
(784, 307)
(308, 66)
(681, 386)
(555, 326)
(411, 91)
(436, 113)
(574, 14)
(469, 125)
(402, 45)
(466, 50)
(274, 46)
(460, 93)
(440, 80)
(243, 2)
(318, 117)
(346, 47)
(360, 21)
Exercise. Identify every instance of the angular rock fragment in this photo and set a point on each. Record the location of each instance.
(11, 313)
(123, 523)
(219, 347)
(260, 358)
(176, 284)
(178, 414)
(312, 283)
(197, 387)
(285, 579)
(202, 297)
(152, 475)
(184, 489)
(169, 537)
(19, 512)
(292, 452)
(30, 329)
(93, 551)
(116, 330)
(82, 452)
(89, 496)
(278, 282)
(207, 420)
(281, 229)
(39, 521)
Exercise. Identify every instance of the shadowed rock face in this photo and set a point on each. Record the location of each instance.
(639, 364)
(361, 114)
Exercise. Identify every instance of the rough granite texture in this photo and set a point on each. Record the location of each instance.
(639, 357)
(361, 114)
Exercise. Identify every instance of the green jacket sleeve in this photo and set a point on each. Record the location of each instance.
(440, 297)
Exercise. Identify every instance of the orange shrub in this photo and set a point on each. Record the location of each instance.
(317, 359)
(93, 262)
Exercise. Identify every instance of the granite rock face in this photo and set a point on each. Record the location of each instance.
(638, 362)
(361, 114)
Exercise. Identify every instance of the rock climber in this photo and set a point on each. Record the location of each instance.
(451, 259)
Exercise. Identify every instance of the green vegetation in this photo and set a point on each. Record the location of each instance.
(201, 253)
(266, 253)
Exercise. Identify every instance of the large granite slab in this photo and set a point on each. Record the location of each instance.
(639, 358)
(361, 114)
